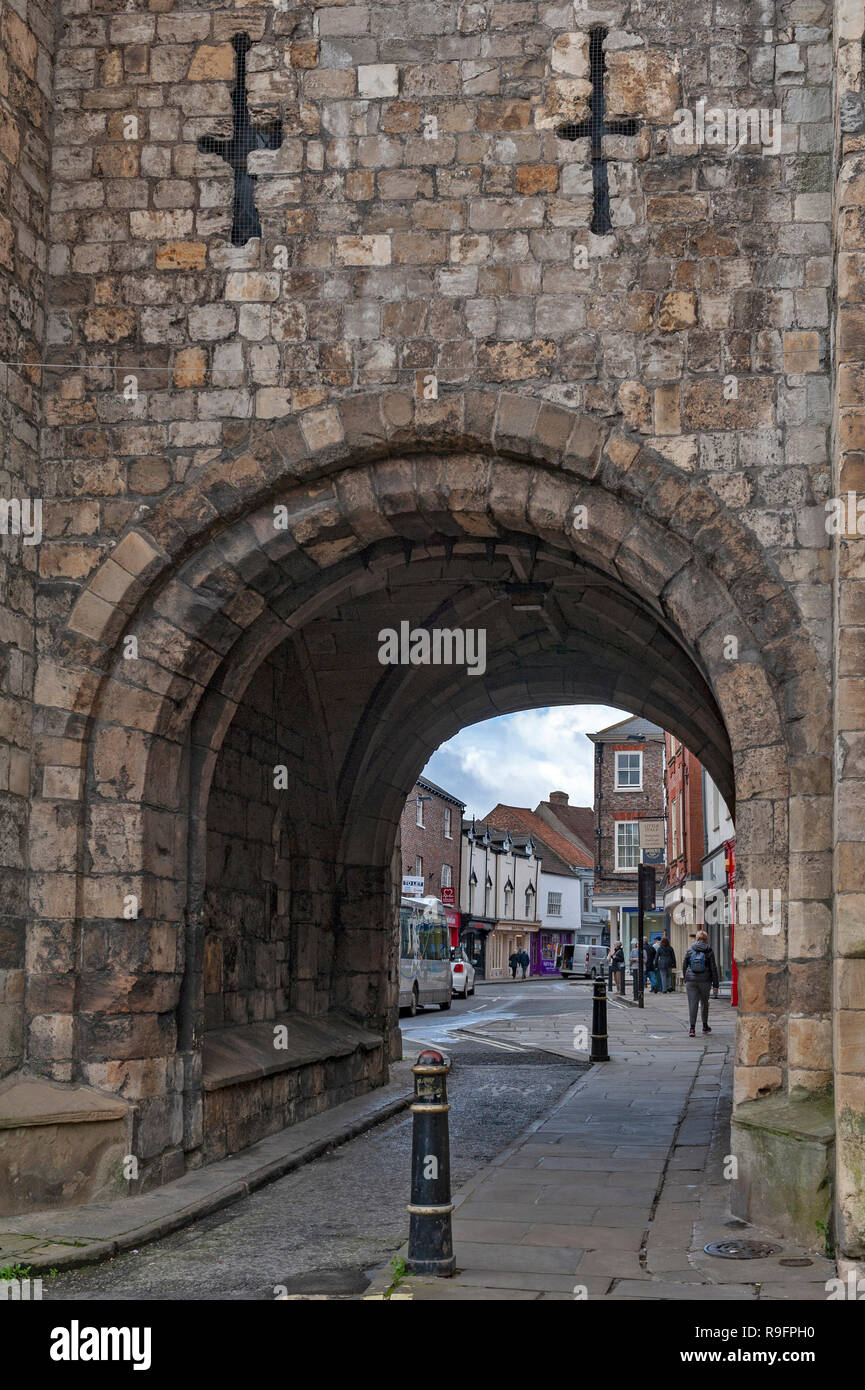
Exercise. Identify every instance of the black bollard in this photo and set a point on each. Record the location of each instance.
(599, 1022)
(430, 1238)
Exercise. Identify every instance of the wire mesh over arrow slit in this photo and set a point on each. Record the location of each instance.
(244, 138)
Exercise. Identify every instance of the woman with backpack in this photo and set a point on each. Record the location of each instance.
(700, 970)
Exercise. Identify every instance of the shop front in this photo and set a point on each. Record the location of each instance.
(546, 950)
(653, 926)
(473, 938)
(505, 941)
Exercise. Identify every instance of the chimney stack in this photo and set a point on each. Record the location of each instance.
(558, 798)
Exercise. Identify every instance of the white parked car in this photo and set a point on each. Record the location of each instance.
(462, 973)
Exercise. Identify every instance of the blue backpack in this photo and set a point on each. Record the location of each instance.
(699, 964)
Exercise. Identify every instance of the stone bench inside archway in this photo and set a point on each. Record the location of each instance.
(254, 1087)
(60, 1146)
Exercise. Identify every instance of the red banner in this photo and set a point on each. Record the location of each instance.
(730, 858)
(453, 924)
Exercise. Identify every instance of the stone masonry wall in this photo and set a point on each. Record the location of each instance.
(422, 216)
(236, 1116)
(424, 230)
(269, 901)
(26, 60)
(847, 830)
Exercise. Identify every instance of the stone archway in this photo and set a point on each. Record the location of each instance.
(375, 489)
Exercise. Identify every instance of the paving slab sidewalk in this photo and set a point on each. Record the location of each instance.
(617, 1190)
(81, 1235)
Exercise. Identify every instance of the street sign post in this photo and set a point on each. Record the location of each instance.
(645, 903)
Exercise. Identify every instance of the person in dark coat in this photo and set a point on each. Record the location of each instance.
(524, 961)
(513, 962)
(665, 958)
(700, 970)
(650, 967)
(617, 962)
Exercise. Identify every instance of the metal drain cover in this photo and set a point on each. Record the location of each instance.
(742, 1249)
(795, 1264)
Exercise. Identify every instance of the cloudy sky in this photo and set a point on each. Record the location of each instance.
(520, 758)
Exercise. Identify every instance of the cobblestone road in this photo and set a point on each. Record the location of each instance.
(319, 1228)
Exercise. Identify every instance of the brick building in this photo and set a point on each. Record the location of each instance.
(629, 788)
(445, 369)
(683, 786)
(431, 844)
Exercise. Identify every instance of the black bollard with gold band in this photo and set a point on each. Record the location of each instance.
(430, 1239)
(599, 1051)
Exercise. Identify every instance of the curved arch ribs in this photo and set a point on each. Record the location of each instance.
(389, 504)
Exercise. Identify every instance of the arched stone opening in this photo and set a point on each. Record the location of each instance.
(641, 606)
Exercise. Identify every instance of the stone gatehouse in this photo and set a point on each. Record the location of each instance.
(514, 312)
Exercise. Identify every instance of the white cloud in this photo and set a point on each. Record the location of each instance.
(520, 758)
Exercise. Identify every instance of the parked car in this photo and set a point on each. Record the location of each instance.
(586, 961)
(462, 973)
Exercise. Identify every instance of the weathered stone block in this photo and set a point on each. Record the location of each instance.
(364, 250)
(785, 1153)
(378, 80)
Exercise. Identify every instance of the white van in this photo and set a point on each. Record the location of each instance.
(586, 962)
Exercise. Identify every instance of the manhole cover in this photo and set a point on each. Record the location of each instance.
(324, 1283)
(795, 1264)
(742, 1249)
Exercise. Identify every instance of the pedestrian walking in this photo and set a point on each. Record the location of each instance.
(617, 957)
(665, 959)
(524, 962)
(651, 972)
(513, 962)
(701, 974)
